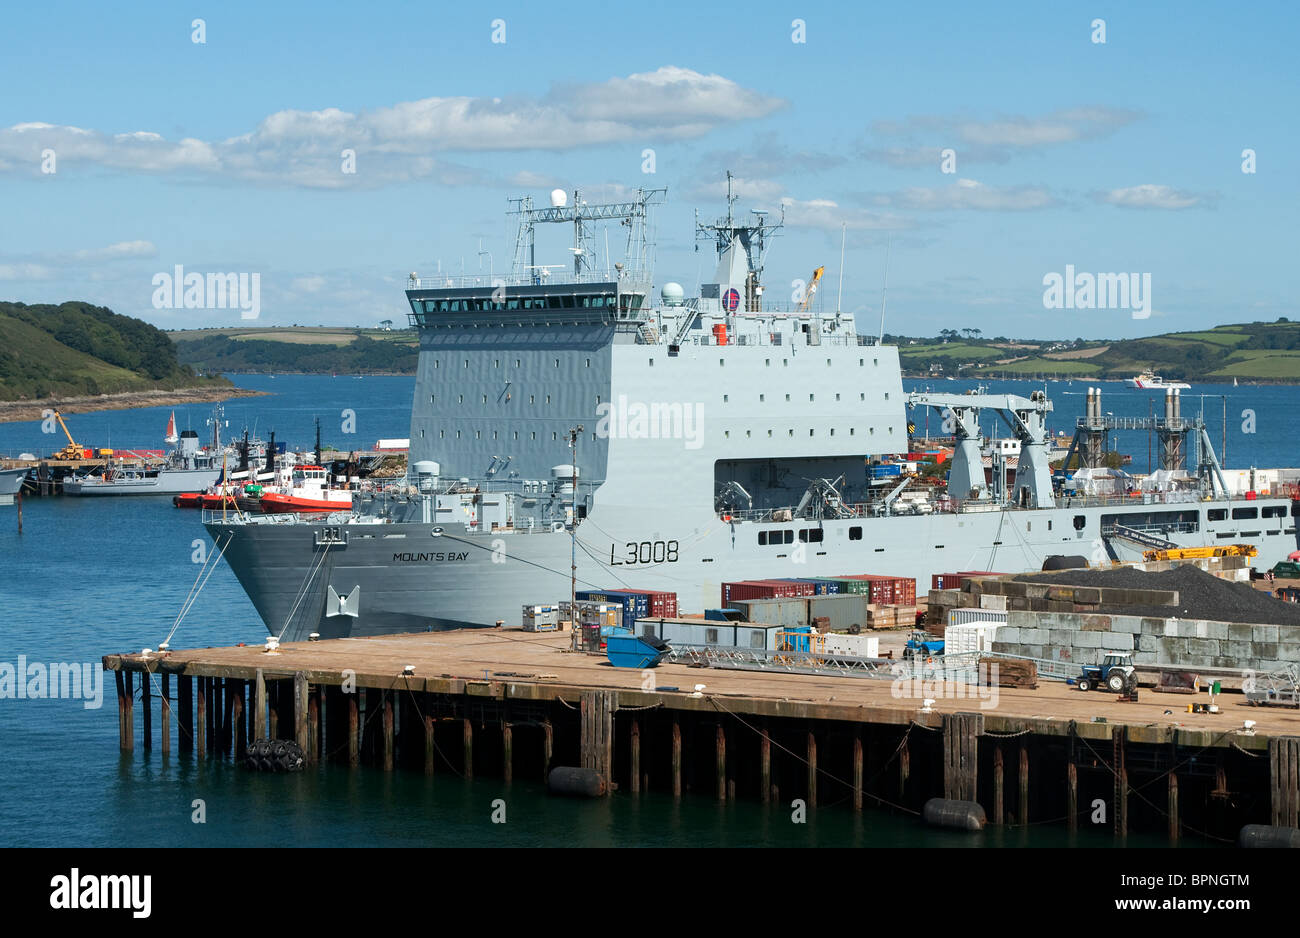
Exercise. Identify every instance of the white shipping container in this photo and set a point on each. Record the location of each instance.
(969, 637)
(962, 616)
(856, 646)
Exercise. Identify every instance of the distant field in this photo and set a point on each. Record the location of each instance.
(1262, 363)
(298, 335)
(1224, 338)
(1040, 365)
(951, 350)
(1077, 353)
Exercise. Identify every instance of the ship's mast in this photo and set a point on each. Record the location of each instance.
(728, 235)
(635, 214)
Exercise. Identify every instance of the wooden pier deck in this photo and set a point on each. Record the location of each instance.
(349, 701)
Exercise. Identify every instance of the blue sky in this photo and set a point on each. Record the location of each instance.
(225, 156)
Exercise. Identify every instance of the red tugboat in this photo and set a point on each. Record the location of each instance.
(307, 492)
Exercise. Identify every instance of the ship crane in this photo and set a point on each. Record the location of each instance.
(811, 289)
(1027, 419)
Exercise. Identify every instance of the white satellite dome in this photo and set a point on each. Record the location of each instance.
(672, 293)
(558, 198)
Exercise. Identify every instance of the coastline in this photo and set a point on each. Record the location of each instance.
(16, 411)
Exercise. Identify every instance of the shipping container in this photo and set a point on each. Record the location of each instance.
(774, 611)
(853, 646)
(970, 637)
(661, 604)
(740, 636)
(967, 616)
(541, 618)
(764, 589)
(853, 586)
(822, 587)
(634, 605)
(843, 611)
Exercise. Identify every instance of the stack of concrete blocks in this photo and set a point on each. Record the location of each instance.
(1187, 643)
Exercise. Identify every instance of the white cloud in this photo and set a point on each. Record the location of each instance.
(966, 194)
(395, 143)
(312, 284)
(829, 215)
(1149, 196)
(994, 140)
(25, 271)
(122, 250)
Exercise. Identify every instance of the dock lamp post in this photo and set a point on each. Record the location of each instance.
(573, 531)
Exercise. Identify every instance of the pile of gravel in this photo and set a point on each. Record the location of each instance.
(1201, 595)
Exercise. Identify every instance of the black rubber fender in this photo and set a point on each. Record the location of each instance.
(959, 815)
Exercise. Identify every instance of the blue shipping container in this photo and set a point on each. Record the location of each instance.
(824, 587)
(635, 605)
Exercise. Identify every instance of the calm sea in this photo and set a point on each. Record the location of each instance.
(103, 575)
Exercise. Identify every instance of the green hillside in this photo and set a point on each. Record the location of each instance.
(1252, 351)
(299, 350)
(76, 349)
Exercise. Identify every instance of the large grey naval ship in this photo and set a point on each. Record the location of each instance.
(565, 418)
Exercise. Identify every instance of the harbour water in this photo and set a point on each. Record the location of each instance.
(88, 577)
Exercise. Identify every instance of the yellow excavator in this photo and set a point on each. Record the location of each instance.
(1189, 553)
(72, 450)
(811, 289)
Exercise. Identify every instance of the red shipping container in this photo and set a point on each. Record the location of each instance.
(765, 589)
(945, 581)
(662, 605)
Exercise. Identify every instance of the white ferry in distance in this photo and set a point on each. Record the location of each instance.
(1149, 382)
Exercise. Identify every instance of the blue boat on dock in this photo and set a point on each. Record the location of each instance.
(628, 650)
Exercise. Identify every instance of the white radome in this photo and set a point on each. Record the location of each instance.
(672, 293)
(559, 198)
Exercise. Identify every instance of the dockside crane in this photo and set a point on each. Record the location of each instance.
(72, 450)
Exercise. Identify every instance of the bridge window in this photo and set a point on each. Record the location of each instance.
(1216, 514)
(811, 535)
(1080, 522)
(1240, 514)
(1273, 511)
(855, 533)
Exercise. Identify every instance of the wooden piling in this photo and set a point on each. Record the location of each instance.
(354, 729)
(146, 709)
(507, 753)
(1174, 826)
(1024, 785)
(999, 796)
(468, 734)
(596, 712)
(677, 758)
(1121, 781)
(238, 721)
(185, 719)
(300, 694)
(273, 698)
(121, 711)
(812, 769)
(857, 774)
(321, 737)
(548, 741)
(960, 755)
(429, 750)
(165, 714)
(765, 765)
(904, 768)
(313, 729)
(259, 730)
(721, 747)
(1072, 796)
(1284, 780)
(388, 731)
(634, 746)
(201, 719)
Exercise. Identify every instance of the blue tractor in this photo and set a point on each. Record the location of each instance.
(1115, 673)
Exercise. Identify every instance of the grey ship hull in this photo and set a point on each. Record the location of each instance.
(166, 482)
(408, 579)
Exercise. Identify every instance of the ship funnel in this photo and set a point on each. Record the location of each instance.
(1178, 403)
